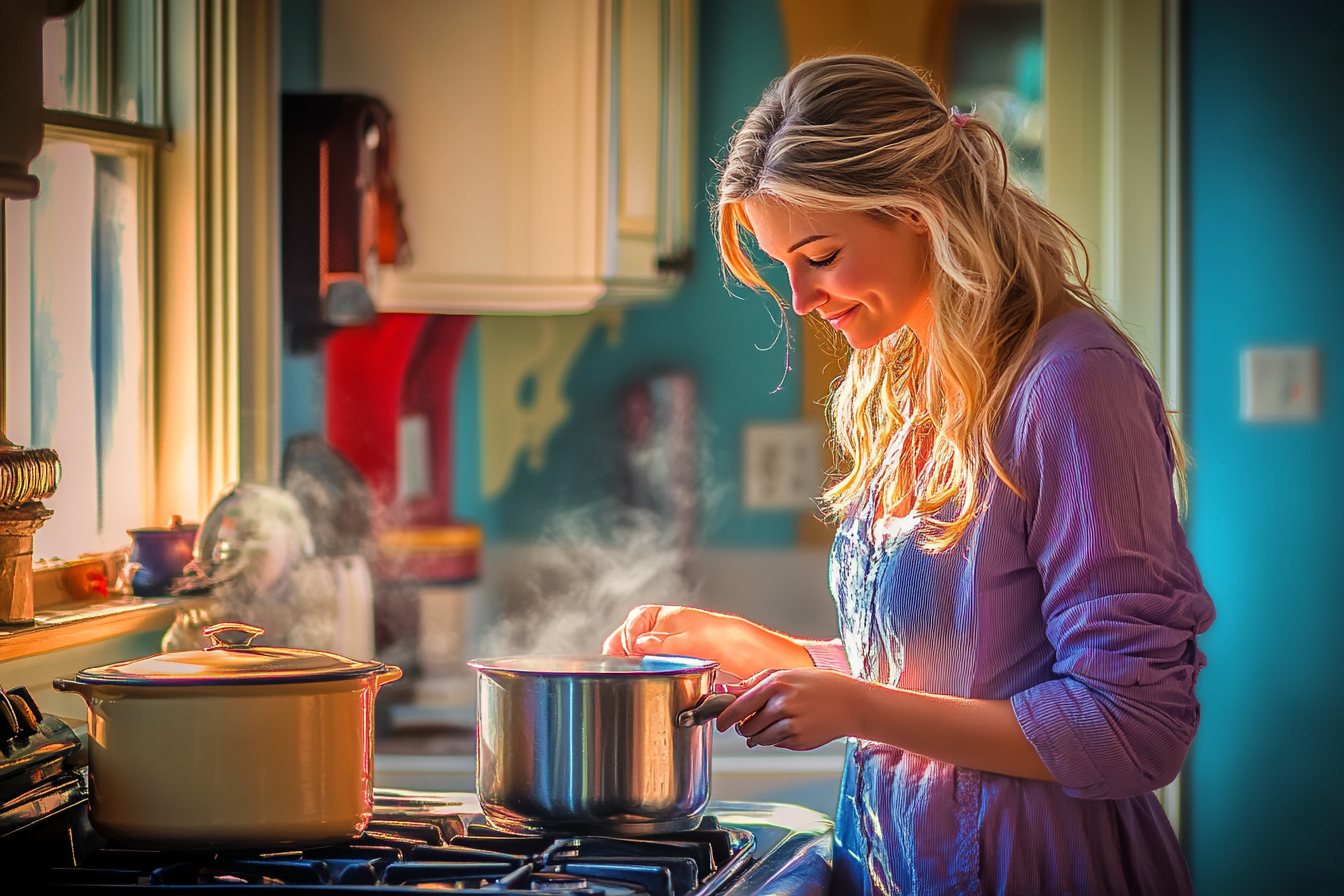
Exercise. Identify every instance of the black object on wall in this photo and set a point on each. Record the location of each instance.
(340, 213)
(21, 24)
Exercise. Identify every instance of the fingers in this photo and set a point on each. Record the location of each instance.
(613, 646)
(751, 700)
(753, 680)
(776, 734)
(640, 620)
(653, 643)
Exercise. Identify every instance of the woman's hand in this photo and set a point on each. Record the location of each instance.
(802, 709)
(740, 647)
(797, 709)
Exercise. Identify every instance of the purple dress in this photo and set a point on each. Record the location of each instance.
(1080, 603)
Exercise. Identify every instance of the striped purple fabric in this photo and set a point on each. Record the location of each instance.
(1079, 602)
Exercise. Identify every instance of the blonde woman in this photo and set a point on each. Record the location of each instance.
(1017, 605)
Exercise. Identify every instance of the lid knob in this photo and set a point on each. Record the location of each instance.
(228, 635)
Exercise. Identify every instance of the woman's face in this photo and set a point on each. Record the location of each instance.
(867, 278)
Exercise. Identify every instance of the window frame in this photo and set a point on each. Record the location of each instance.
(212, 354)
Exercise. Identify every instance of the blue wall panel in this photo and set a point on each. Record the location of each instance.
(1266, 193)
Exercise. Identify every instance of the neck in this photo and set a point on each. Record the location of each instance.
(921, 320)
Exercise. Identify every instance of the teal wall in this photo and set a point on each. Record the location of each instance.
(1264, 205)
(702, 330)
(302, 398)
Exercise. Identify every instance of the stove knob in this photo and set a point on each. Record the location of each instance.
(9, 720)
(25, 708)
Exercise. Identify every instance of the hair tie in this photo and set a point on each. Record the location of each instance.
(960, 118)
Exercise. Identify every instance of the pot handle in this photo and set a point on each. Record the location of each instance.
(706, 710)
(236, 635)
(72, 686)
(388, 675)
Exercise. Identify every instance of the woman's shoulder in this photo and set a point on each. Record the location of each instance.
(1080, 368)
(1081, 345)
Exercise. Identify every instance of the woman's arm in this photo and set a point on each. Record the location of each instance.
(801, 709)
(1123, 600)
(740, 647)
(786, 701)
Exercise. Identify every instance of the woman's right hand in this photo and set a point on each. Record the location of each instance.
(740, 647)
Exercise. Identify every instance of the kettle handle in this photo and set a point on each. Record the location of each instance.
(706, 710)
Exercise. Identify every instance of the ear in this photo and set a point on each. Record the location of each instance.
(916, 220)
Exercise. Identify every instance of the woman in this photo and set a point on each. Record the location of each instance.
(1017, 605)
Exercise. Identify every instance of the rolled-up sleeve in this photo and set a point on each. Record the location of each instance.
(828, 654)
(1123, 598)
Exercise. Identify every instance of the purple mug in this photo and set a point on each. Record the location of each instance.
(158, 556)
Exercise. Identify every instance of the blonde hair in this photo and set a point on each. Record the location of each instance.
(867, 134)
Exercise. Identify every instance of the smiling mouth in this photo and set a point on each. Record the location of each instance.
(838, 319)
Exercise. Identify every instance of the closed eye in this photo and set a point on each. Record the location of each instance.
(823, 262)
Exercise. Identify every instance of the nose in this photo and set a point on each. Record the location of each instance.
(806, 296)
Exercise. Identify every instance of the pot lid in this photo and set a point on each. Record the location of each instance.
(595, 664)
(232, 660)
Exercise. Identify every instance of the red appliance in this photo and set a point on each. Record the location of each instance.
(389, 412)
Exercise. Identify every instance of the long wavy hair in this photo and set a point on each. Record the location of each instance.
(867, 134)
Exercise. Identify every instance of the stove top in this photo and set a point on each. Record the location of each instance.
(440, 841)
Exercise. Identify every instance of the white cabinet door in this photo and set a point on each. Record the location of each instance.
(542, 146)
(648, 227)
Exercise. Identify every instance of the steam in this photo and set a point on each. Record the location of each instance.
(592, 567)
(256, 560)
(595, 564)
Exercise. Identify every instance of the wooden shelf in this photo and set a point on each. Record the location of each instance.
(71, 625)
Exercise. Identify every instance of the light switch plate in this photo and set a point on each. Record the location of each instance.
(1280, 384)
(781, 465)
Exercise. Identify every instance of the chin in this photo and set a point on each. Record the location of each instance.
(861, 341)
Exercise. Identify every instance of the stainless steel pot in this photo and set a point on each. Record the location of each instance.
(595, 744)
(231, 747)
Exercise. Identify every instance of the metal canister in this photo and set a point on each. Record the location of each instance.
(595, 744)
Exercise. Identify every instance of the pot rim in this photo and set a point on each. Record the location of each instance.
(592, 665)
(241, 679)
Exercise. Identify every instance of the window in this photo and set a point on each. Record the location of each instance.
(75, 354)
(106, 60)
(79, 276)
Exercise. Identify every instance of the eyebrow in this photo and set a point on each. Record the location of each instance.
(805, 240)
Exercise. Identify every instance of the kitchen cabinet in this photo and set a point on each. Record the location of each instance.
(542, 147)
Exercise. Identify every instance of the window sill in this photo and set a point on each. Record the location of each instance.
(73, 625)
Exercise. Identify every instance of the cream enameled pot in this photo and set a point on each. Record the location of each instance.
(233, 746)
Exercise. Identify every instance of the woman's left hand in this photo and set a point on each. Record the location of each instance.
(797, 709)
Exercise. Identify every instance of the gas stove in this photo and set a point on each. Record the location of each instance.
(440, 841)
(416, 839)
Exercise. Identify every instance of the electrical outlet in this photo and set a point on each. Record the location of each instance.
(781, 466)
(413, 457)
(1280, 384)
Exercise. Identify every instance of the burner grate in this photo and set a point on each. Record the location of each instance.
(405, 853)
